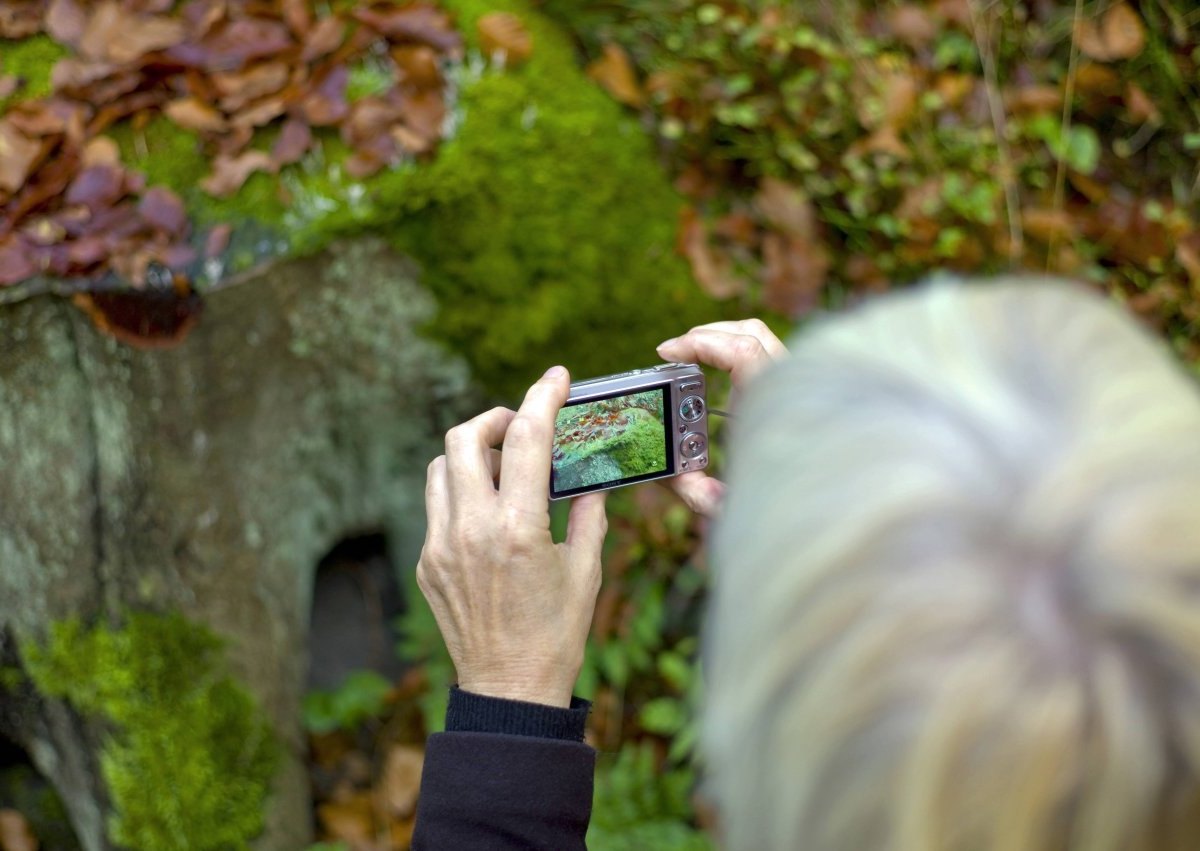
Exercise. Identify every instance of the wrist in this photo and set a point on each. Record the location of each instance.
(553, 692)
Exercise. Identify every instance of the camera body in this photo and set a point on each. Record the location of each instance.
(633, 427)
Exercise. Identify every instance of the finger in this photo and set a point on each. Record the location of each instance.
(699, 491)
(587, 524)
(741, 355)
(437, 500)
(495, 457)
(528, 443)
(755, 328)
(468, 454)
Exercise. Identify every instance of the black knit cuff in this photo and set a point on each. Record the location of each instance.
(475, 713)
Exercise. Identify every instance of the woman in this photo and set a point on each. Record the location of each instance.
(956, 590)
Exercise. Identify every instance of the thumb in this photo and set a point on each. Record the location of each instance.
(587, 524)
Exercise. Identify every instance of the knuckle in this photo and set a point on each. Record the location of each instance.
(456, 436)
(435, 466)
(526, 430)
(748, 348)
(757, 326)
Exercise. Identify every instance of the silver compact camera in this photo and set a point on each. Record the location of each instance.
(622, 429)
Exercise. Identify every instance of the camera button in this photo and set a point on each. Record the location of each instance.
(693, 445)
(691, 409)
(684, 464)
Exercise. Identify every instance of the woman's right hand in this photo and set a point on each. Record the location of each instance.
(742, 349)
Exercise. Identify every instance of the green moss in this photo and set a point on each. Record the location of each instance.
(30, 60)
(545, 227)
(192, 759)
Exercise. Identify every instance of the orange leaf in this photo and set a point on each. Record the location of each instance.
(786, 207)
(350, 820)
(193, 114)
(615, 73)
(504, 33)
(15, 833)
(401, 780)
(1119, 34)
(229, 173)
(18, 153)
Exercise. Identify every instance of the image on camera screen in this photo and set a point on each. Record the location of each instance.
(610, 440)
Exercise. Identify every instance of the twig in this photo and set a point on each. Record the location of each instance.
(1060, 174)
(1012, 201)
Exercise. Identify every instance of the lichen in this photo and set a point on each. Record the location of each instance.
(190, 763)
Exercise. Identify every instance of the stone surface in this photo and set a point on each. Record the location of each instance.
(212, 477)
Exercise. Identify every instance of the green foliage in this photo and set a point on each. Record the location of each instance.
(191, 763)
(362, 695)
(638, 805)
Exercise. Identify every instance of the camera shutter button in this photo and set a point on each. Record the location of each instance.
(693, 445)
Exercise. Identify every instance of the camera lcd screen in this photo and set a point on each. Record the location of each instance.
(614, 439)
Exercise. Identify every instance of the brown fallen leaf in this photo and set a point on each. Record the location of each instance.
(15, 832)
(350, 820)
(238, 88)
(1047, 225)
(65, 21)
(327, 103)
(795, 269)
(217, 241)
(9, 85)
(232, 44)
(298, 16)
(324, 38)
(114, 35)
(1118, 34)
(1142, 109)
(419, 23)
(258, 114)
(1187, 254)
(16, 261)
(193, 114)
(295, 138)
(100, 150)
(418, 66)
(912, 24)
(97, 186)
(786, 208)
(400, 782)
(614, 72)
(162, 209)
(504, 34)
(229, 173)
(713, 272)
(18, 155)
(20, 21)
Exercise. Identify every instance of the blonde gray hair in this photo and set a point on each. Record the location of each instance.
(957, 584)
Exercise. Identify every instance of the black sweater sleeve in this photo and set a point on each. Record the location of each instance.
(505, 776)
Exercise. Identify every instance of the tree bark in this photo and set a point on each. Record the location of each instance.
(210, 478)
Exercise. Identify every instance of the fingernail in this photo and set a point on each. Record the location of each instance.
(555, 372)
(666, 343)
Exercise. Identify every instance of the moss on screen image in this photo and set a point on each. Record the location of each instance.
(609, 440)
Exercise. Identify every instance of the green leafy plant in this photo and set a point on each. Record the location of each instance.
(362, 695)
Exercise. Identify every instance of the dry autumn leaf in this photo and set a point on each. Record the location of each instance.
(712, 270)
(194, 114)
(15, 832)
(229, 173)
(401, 781)
(18, 154)
(614, 72)
(1118, 34)
(504, 34)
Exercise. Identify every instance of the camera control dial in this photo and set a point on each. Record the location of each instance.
(693, 445)
(691, 409)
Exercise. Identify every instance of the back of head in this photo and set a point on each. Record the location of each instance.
(957, 593)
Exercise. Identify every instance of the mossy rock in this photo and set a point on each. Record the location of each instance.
(544, 225)
(191, 762)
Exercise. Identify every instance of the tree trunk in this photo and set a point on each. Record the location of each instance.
(209, 479)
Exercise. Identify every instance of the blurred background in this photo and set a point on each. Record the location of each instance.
(257, 255)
